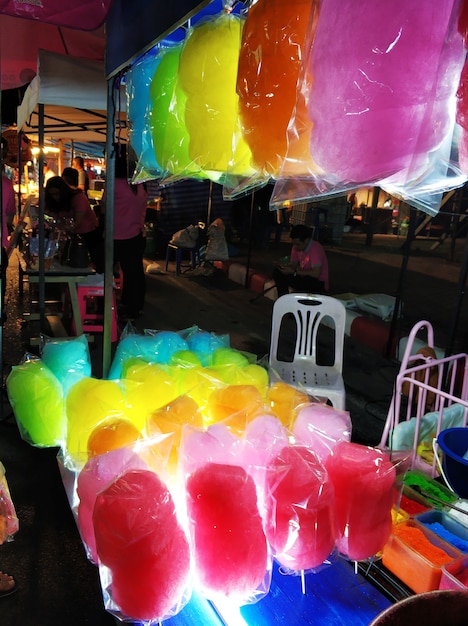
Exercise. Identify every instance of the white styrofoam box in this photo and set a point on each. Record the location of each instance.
(348, 299)
(417, 345)
(272, 294)
(379, 304)
(237, 273)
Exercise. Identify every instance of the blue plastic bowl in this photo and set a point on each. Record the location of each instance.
(454, 444)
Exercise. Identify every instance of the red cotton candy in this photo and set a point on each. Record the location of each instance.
(300, 509)
(138, 537)
(363, 478)
(229, 542)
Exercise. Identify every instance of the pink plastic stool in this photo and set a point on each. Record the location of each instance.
(91, 315)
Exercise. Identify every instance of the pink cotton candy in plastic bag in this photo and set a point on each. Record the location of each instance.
(95, 476)
(363, 478)
(321, 427)
(230, 547)
(139, 539)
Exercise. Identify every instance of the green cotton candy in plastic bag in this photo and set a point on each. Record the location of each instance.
(36, 397)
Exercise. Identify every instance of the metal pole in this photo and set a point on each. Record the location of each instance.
(404, 266)
(210, 201)
(375, 202)
(41, 222)
(2, 272)
(460, 295)
(109, 232)
(249, 249)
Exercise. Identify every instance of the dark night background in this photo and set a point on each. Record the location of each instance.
(11, 98)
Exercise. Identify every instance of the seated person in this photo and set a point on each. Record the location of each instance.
(307, 270)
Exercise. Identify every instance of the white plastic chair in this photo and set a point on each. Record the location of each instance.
(310, 312)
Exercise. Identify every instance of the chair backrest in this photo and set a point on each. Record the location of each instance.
(309, 312)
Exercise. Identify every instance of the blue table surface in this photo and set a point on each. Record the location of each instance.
(334, 596)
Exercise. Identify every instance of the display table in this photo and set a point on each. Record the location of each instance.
(335, 596)
(58, 274)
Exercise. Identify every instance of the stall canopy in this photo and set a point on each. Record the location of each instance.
(73, 91)
(21, 40)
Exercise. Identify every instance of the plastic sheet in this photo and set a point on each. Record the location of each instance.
(89, 403)
(147, 387)
(8, 519)
(462, 92)
(284, 400)
(156, 347)
(97, 474)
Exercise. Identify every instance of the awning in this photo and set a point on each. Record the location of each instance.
(73, 91)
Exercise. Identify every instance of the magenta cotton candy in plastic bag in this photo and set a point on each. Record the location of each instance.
(384, 76)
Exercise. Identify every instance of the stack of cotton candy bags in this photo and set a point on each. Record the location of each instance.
(234, 471)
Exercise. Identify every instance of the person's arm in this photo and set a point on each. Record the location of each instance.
(313, 272)
(289, 268)
(81, 207)
(81, 180)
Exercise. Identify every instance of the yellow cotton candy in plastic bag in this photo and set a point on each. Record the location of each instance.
(89, 402)
(208, 74)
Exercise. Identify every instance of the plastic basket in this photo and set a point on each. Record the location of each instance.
(454, 444)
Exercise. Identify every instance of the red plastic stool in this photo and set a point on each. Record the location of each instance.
(90, 301)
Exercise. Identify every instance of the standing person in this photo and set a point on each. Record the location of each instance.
(307, 270)
(64, 202)
(48, 172)
(83, 180)
(130, 203)
(8, 214)
(90, 172)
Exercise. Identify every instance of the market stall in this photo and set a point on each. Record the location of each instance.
(66, 99)
(190, 439)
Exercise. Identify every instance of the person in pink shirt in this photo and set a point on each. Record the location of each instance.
(307, 270)
(61, 201)
(130, 202)
(8, 214)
